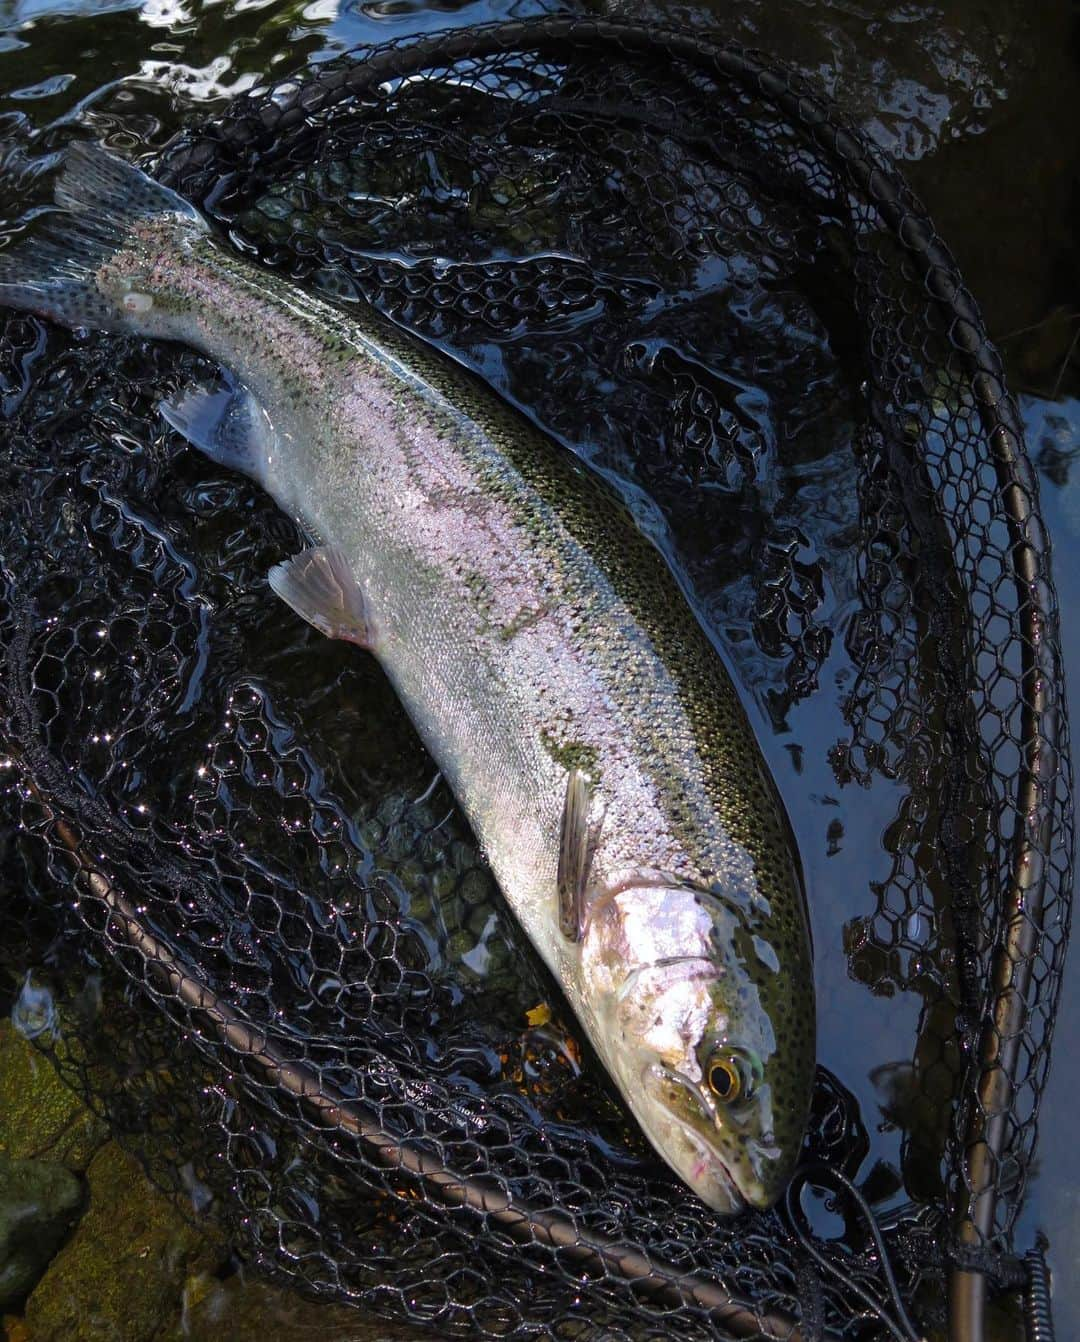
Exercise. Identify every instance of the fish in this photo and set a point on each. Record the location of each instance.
(538, 639)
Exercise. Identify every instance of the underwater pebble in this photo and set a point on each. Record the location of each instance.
(411, 875)
(420, 907)
(459, 945)
(400, 839)
(391, 809)
(481, 922)
(370, 834)
(476, 888)
(443, 882)
(34, 1012)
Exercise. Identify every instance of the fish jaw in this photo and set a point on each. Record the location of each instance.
(730, 1160)
(696, 1163)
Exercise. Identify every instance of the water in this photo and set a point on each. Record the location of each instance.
(979, 121)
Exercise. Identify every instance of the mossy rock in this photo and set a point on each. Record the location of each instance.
(244, 1310)
(39, 1201)
(122, 1273)
(41, 1117)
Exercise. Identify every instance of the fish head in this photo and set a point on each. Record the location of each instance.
(721, 1096)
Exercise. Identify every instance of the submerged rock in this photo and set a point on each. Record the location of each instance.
(122, 1274)
(252, 1311)
(40, 1117)
(39, 1200)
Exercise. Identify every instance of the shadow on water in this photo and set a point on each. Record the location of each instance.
(758, 482)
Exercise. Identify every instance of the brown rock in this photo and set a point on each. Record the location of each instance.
(122, 1274)
(245, 1310)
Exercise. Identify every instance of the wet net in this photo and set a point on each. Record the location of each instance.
(275, 959)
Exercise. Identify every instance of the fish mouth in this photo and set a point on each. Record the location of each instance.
(733, 1202)
(708, 1166)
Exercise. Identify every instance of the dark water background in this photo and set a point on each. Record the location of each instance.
(983, 105)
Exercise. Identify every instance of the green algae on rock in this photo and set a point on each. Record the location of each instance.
(122, 1274)
(251, 1311)
(40, 1116)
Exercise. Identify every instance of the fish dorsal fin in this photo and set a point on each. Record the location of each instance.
(577, 847)
(227, 423)
(320, 586)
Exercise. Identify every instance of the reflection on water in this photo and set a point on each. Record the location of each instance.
(120, 66)
(17, 14)
(915, 75)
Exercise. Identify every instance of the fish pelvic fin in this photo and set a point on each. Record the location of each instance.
(320, 586)
(69, 270)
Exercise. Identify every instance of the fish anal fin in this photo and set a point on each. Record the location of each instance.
(226, 422)
(577, 847)
(320, 586)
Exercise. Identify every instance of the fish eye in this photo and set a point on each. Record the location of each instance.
(729, 1075)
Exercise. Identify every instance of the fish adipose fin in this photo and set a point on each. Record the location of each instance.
(227, 423)
(577, 847)
(319, 585)
(55, 272)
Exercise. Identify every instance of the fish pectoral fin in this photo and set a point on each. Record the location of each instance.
(577, 847)
(320, 586)
(226, 422)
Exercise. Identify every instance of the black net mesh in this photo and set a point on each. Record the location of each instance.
(282, 967)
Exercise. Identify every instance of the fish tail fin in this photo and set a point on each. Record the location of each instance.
(56, 272)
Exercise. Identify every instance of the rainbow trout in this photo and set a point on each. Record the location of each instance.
(540, 644)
